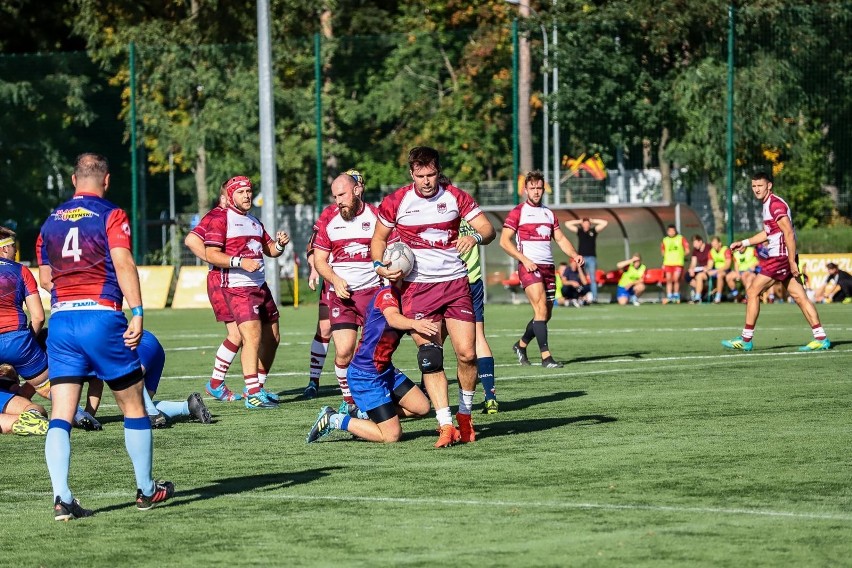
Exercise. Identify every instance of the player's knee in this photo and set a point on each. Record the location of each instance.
(430, 358)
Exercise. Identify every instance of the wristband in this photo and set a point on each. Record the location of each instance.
(745, 242)
(478, 238)
(377, 264)
(235, 261)
(278, 247)
(137, 311)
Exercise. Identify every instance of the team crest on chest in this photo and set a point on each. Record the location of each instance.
(442, 208)
(365, 226)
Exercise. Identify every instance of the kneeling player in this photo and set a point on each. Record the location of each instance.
(17, 414)
(379, 389)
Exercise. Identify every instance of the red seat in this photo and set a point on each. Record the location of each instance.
(612, 277)
(600, 277)
(654, 276)
(512, 281)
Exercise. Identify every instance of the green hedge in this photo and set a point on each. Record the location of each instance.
(821, 240)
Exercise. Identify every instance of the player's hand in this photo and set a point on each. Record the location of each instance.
(133, 335)
(426, 328)
(529, 265)
(794, 269)
(393, 276)
(579, 260)
(282, 238)
(313, 279)
(250, 264)
(465, 244)
(341, 287)
(736, 245)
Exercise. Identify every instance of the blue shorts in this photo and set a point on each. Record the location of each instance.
(623, 292)
(372, 390)
(477, 294)
(153, 358)
(20, 349)
(5, 397)
(85, 342)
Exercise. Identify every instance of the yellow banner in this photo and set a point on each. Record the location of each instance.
(191, 289)
(814, 266)
(45, 295)
(155, 281)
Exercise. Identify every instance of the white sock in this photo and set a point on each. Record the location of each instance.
(340, 372)
(444, 416)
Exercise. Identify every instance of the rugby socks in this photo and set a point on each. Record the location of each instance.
(818, 331)
(748, 332)
(261, 377)
(528, 335)
(172, 408)
(444, 416)
(465, 402)
(340, 372)
(540, 331)
(57, 453)
(485, 370)
(224, 357)
(319, 351)
(252, 384)
(140, 447)
(150, 407)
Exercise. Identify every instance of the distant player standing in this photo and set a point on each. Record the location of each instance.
(227, 351)
(527, 232)
(674, 249)
(778, 264)
(236, 242)
(427, 216)
(85, 262)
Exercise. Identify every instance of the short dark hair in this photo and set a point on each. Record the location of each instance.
(585, 220)
(761, 175)
(534, 175)
(671, 227)
(698, 238)
(6, 233)
(421, 156)
(831, 265)
(91, 165)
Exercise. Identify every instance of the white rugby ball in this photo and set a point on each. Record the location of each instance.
(398, 256)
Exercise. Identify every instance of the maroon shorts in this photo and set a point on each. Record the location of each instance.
(325, 295)
(438, 300)
(217, 298)
(251, 303)
(545, 273)
(350, 312)
(776, 267)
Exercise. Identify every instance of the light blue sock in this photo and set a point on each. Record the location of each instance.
(337, 420)
(172, 409)
(150, 407)
(140, 447)
(57, 453)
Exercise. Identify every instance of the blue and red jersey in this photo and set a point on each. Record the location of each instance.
(16, 283)
(378, 339)
(75, 241)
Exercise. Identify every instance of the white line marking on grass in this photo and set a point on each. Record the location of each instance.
(428, 502)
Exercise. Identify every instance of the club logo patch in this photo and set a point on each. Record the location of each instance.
(442, 208)
(365, 226)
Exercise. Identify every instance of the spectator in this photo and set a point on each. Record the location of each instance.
(575, 284)
(838, 286)
(674, 249)
(631, 284)
(720, 255)
(698, 266)
(587, 236)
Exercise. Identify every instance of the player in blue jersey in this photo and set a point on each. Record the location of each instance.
(85, 261)
(379, 389)
(18, 415)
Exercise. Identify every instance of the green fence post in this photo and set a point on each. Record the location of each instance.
(134, 167)
(515, 152)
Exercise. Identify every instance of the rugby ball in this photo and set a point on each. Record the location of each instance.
(398, 256)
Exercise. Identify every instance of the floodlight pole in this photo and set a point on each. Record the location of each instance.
(268, 178)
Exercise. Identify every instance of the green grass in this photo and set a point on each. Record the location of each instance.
(652, 447)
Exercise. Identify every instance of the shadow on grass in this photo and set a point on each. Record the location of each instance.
(513, 427)
(242, 484)
(634, 355)
(524, 403)
(298, 394)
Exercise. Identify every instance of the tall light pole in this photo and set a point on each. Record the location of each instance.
(544, 74)
(268, 181)
(557, 193)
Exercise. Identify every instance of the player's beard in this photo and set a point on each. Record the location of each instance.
(350, 212)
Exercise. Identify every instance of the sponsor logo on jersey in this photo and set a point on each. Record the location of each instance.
(73, 215)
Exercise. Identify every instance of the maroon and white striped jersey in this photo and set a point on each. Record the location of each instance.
(348, 244)
(533, 228)
(430, 226)
(240, 235)
(773, 209)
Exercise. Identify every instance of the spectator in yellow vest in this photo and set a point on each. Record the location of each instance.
(720, 256)
(674, 249)
(631, 284)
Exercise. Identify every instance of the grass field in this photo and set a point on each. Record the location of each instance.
(652, 447)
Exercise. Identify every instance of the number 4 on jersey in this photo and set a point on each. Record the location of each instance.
(71, 246)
